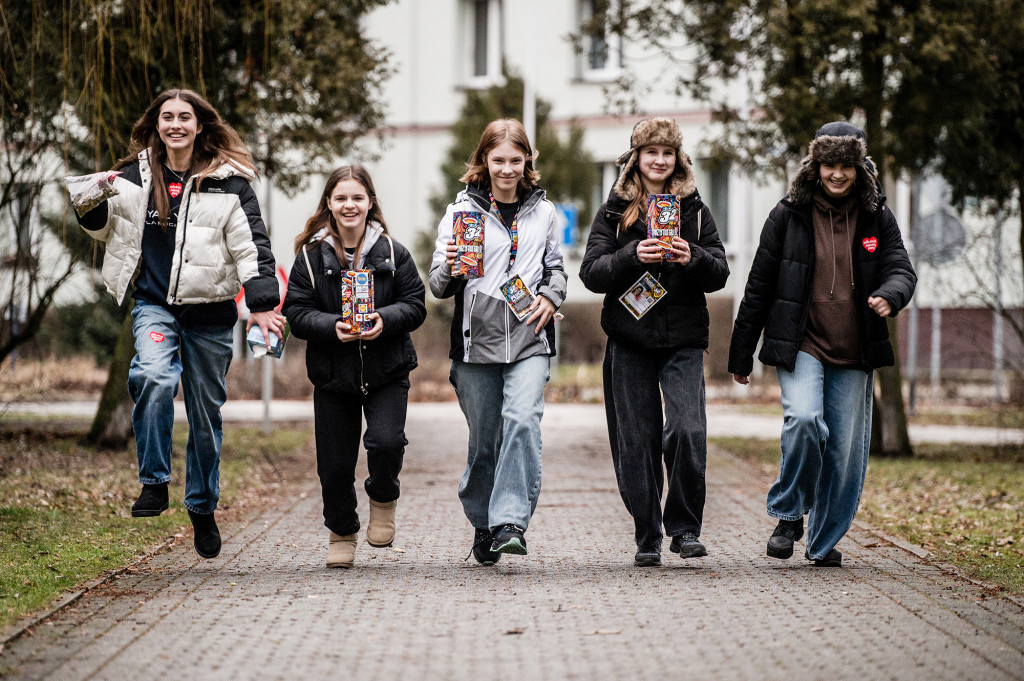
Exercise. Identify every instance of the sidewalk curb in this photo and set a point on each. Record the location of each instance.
(19, 628)
(31, 621)
(925, 554)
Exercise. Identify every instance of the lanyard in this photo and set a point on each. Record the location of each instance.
(513, 231)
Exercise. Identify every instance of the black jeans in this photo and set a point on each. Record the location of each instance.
(634, 381)
(338, 420)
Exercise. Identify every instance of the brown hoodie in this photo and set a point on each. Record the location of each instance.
(831, 336)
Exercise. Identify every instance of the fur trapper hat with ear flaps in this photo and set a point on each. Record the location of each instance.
(656, 131)
(837, 143)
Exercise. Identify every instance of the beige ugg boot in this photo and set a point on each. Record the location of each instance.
(381, 530)
(341, 551)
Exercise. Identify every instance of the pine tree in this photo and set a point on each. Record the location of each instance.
(568, 172)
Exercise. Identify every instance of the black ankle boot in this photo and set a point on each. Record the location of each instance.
(152, 501)
(780, 544)
(207, 536)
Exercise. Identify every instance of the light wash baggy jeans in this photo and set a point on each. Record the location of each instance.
(199, 356)
(503, 404)
(825, 439)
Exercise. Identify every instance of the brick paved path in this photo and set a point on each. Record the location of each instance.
(574, 608)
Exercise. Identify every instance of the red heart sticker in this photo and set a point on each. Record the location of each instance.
(174, 189)
(871, 243)
(157, 337)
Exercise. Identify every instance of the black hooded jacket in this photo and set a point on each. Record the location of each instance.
(777, 294)
(610, 266)
(312, 311)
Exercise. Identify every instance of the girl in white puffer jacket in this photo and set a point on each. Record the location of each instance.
(185, 232)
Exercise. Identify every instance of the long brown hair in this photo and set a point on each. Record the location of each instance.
(216, 144)
(496, 132)
(324, 218)
(638, 206)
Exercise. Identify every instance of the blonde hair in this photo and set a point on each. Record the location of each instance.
(638, 206)
(502, 130)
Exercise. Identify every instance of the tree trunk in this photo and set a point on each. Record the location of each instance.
(112, 426)
(1020, 200)
(889, 417)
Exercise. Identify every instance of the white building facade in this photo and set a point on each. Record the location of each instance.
(442, 48)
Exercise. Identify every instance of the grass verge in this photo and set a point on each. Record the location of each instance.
(964, 503)
(65, 515)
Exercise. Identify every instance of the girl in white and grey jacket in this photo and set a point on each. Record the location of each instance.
(500, 363)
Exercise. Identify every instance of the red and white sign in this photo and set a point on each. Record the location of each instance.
(870, 244)
(157, 337)
(174, 189)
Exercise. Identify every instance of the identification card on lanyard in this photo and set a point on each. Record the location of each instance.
(642, 295)
(518, 296)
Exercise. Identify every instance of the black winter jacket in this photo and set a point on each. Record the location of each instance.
(610, 266)
(355, 366)
(777, 296)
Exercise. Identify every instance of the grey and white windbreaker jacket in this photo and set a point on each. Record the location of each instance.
(484, 329)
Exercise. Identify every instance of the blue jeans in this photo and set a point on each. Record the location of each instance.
(825, 439)
(199, 356)
(503, 404)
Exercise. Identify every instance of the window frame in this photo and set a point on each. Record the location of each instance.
(493, 49)
(612, 68)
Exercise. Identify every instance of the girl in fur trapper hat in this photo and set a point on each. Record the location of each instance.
(656, 318)
(830, 268)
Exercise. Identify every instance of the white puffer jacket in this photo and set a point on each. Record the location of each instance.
(220, 241)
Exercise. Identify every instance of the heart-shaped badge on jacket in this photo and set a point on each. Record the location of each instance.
(156, 336)
(174, 189)
(870, 244)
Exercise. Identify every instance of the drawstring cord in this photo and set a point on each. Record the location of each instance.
(853, 285)
(832, 230)
(835, 257)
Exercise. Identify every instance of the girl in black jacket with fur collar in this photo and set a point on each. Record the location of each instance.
(355, 374)
(661, 352)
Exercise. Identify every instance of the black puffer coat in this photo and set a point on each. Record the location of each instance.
(355, 366)
(777, 296)
(610, 266)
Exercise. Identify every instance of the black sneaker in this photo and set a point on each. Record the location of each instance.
(647, 558)
(780, 544)
(207, 536)
(152, 501)
(481, 550)
(687, 545)
(833, 558)
(509, 539)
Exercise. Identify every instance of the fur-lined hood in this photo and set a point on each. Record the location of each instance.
(837, 143)
(656, 131)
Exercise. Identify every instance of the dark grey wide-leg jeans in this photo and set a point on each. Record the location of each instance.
(646, 443)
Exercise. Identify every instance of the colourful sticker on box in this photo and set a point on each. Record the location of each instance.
(663, 220)
(357, 300)
(468, 232)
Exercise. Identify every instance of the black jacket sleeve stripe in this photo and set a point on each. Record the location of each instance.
(261, 292)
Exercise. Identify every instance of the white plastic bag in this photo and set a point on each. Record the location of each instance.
(89, 191)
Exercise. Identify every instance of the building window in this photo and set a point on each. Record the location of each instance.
(480, 37)
(483, 37)
(602, 49)
(718, 199)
